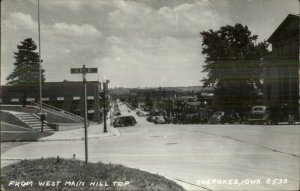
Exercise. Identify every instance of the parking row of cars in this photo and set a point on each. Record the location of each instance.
(122, 121)
(257, 115)
(266, 115)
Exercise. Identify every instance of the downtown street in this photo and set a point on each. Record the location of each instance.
(199, 157)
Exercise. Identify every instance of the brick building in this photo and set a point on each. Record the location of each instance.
(64, 95)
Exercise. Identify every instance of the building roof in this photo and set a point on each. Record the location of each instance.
(284, 25)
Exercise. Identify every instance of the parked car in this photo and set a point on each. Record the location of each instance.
(124, 121)
(259, 114)
(141, 113)
(216, 117)
(224, 117)
(150, 118)
(192, 119)
(117, 113)
(159, 120)
(279, 115)
(170, 119)
(230, 117)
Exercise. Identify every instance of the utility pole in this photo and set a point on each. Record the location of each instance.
(105, 89)
(42, 117)
(104, 108)
(98, 101)
(83, 71)
(85, 113)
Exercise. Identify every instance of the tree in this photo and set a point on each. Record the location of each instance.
(233, 65)
(26, 65)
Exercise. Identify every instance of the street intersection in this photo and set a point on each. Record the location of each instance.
(199, 157)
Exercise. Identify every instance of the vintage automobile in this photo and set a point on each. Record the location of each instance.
(193, 119)
(150, 118)
(279, 114)
(230, 117)
(124, 121)
(141, 113)
(159, 120)
(223, 117)
(259, 115)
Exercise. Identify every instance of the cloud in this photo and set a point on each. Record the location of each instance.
(76, 30)
(22, 21)
(62, 44)
(76, 5)
(131, 42)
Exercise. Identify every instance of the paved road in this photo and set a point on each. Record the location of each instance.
(199, 157)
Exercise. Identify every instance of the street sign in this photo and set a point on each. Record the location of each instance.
(81, 70)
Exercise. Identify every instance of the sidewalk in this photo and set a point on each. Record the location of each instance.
(94, 132)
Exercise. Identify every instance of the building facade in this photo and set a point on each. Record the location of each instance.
(68, 96)
(150, 97)
(282, 70)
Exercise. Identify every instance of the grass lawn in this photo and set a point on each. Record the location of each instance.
(67, 175)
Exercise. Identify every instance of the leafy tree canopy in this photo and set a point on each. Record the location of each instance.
(233, 63)
(26, 65)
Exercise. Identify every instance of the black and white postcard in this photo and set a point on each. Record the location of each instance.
(143, 95)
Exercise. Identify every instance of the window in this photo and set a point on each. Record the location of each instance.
(15, 100)
(60, 99)
(30, 99)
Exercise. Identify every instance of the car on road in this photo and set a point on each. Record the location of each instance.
(278, 115)
(170, 119)
(223, 117)
(150, 118)
(117, 113)
(216, 117)
(141, 113)
(159, 120)
(191, 119)
(259, 114)
(124, 121)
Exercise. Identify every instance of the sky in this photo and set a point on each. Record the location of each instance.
(133, 43)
